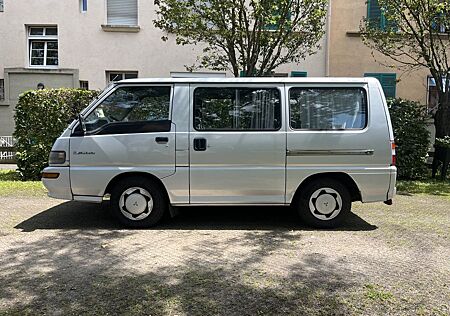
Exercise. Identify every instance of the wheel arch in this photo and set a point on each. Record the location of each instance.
(132, 174)
(344, 178)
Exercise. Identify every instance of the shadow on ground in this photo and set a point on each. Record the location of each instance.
(77, 215)
(69, 272)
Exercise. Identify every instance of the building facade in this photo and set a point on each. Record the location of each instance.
(88, 43)
(349, 57)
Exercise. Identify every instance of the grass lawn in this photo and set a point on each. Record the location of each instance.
(10, 185)
(427, 186)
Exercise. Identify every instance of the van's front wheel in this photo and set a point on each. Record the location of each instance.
(324, 203)
(137, 202)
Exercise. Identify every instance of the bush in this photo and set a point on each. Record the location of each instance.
(41, 116)
(409, 121)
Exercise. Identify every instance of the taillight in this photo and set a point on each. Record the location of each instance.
(394, 156)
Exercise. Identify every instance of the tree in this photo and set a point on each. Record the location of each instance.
(255, 36)
(415, 34)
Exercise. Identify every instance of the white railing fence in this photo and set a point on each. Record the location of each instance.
(5, 154)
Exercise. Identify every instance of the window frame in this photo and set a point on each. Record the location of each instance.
(76, 130)
(84, 84)
(234, 86)
(83, 6)
(44, 38)
(122, 73)
(2, 89)
(122, 25)
(340, 87)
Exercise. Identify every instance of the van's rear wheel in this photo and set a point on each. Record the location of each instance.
(138, 202)
(324, 203)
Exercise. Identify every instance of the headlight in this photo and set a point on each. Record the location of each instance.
(57, 157)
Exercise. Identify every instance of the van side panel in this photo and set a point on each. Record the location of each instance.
(238, 167)
(362, 154)
(96, 159)
(177, 184)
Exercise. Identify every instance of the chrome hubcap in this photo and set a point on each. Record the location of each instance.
(136, 203)
(325, 203)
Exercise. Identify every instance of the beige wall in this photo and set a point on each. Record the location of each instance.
(85, 46)
(349, 56)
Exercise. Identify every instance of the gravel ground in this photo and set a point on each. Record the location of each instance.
(65, 258)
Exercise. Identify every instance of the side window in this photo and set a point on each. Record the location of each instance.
(237, 109)
(328, 108)
(132, 105)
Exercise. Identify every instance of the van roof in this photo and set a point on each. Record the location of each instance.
(252, 80)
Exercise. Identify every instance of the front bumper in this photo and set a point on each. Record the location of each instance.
(58, 188)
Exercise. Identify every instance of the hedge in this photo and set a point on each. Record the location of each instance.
(41, 116)
(409, 121)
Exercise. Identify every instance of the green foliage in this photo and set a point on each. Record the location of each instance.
(409, 121)
(374, 292)
(443, 142)
(254, 36)
(41, 116)
(414, 38)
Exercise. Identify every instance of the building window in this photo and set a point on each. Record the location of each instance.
(388, 82)
(1, 5)
(113, 76)
(327, 108)
(2, 89)
(122, 12)
(43, 46)
(299, 74)
(233, 109)
(84, 84)
(376, 18)
(83, 5)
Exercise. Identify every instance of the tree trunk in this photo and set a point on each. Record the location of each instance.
(442, 116)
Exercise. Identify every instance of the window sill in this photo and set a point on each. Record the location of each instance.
(43, 67)
(121, 28)
(3, 103)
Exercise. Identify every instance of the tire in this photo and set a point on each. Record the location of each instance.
(138, 202)
(324, 203)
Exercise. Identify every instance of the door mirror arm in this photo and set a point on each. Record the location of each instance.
(81, 122)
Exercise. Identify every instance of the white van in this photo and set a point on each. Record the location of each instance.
(317, 144)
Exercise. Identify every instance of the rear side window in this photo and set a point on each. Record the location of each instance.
(243, 109)
(328, 108)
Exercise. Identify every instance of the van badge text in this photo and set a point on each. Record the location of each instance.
(84, 153)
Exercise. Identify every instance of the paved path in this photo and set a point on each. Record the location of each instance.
(8, 166)
(69, 257)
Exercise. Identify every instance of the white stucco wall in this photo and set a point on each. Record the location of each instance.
(83, 45)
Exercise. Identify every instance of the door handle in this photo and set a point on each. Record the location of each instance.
(199, 144)
(162, 140)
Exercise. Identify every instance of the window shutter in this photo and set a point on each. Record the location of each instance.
(374, 15)
(122, 12)
(388, 83)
